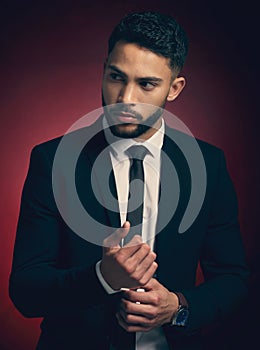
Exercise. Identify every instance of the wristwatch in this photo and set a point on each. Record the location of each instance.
(182, 314)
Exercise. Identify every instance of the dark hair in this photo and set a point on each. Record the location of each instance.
(156, 32)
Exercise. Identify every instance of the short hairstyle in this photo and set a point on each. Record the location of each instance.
(157, 32)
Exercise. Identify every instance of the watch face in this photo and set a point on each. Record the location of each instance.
(182, 317)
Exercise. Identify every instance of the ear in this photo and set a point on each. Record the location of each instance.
(176, 88)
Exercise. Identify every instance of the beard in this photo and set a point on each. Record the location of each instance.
(127, 130)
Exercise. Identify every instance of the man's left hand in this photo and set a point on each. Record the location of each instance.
(144, 311)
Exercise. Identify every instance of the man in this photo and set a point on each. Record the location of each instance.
(140, 287)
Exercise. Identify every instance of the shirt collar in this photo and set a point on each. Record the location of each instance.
(120, 145)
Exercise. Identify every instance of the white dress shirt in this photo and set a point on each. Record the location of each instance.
(155, 339)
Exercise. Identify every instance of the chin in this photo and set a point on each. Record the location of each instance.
(128, 131)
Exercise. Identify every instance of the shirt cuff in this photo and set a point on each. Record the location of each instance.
(105, 285)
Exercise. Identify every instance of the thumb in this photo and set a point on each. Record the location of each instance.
(114, 240)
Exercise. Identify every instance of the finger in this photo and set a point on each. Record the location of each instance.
(122, 322)
(139, 255)
(145, 264)
(145, 298)
(114, 240)
(152, 284)
(142, 310)
(134, 319)
(131, 257)
(131, 327)
(148, 274)
(141, 266)
(137, 239)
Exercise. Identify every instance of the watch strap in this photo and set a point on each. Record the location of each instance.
(182, 300)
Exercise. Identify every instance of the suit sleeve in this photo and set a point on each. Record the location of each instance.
(38, 286)
(223, 259)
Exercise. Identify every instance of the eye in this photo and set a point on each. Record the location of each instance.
(147, 85)
(116, 77)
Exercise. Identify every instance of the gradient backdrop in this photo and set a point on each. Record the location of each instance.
(51, 58)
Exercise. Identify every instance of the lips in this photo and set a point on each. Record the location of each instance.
(123, 117)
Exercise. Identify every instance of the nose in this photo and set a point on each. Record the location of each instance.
(127, 94)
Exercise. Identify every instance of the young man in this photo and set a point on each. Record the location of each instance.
(141, 295)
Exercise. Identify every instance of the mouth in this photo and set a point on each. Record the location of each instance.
(125, 118)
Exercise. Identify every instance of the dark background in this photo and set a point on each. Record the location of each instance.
(51, 57)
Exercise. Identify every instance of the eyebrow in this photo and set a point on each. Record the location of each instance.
(151, 78)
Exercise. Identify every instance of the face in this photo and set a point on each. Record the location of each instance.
(134, 76)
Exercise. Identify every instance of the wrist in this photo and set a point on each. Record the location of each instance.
(174, 305)
(102, 280)
(181, 315)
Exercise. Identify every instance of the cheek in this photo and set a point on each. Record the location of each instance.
(110, 91)
(157, 98)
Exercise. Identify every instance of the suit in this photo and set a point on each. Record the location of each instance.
(53, 274)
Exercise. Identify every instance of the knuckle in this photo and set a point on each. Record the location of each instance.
(148, 326)
(129, 269)
(137, 239)
(152, 314)
(137, 275)
(152, 256)
(119, 257)
(155, 265)
(145, 248)
(146, 277)
(143, 280)
(155, 299)
(127, 307)
(128, 318)
(116, 257)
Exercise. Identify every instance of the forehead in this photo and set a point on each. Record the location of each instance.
(139, 61)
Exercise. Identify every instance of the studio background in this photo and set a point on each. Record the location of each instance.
(51, 57)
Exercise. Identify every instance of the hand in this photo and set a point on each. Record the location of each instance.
(129, 267)
(144, 311)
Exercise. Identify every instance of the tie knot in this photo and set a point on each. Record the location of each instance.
(137, 152)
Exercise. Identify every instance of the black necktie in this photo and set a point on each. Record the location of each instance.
(136, 190)
(124, 340)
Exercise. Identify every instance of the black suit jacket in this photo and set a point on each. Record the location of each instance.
(53, 274)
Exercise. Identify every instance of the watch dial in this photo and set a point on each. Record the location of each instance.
(182, 317)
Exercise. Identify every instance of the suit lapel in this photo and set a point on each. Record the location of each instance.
(96, 180)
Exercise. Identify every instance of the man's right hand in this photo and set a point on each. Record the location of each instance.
(131, 266)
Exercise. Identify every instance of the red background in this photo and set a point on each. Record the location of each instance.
(52, 55)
